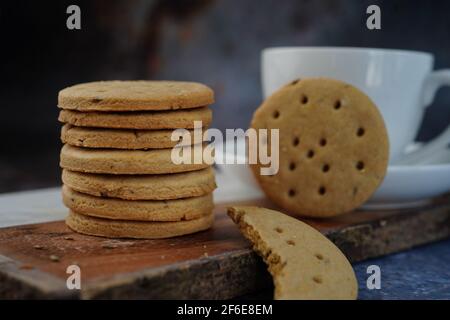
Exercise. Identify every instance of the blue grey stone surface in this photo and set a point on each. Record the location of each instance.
(419, 273)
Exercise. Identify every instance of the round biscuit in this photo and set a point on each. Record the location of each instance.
(135, 229)
(110, 161)
(138, 210)
(142, 187)
(146, 120)
(135, 96)
(123, 138)
(333, 147)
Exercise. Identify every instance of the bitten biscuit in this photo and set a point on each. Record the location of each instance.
(333, 147)
(142, 187)
(123, 139)
(135, 229)
(304, 264)
(148, 120)
(135, 96)
(138, 210)
(156, 161)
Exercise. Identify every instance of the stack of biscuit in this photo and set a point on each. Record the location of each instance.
(119, 176)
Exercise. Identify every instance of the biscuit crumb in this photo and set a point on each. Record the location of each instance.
(108, 246)
(26, 267)
(54, 258)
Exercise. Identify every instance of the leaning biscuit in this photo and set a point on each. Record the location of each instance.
(125, 138)
(148, 120)
(135, 229)
(135, 96)
(304, 264)
(142, 187)
(156, 161)
(138, 210)
(333, 147)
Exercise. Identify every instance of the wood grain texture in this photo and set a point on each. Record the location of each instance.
(215, 264)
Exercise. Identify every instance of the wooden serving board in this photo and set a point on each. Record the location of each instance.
(215, 264)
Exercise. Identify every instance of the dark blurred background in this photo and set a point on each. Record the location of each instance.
(217, 42)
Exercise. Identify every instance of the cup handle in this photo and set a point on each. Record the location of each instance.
(432, 83)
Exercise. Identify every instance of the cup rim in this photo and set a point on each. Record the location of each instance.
(349, 50)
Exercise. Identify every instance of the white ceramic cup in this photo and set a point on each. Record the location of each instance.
(401, 83)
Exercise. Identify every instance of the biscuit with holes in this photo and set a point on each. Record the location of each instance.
(111, 161)
(145, 120)
(138, 210)
(304, 264)
(333, 147)
(124, 138)
(135, 229)
(142, 187)
(135, 96)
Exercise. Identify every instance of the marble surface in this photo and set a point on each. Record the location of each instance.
(420, 273)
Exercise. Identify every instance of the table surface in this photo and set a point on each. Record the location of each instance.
(420, 273)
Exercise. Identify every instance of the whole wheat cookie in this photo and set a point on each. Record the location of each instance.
(142, 187)
(138, 210)
(155, 161)
(333, 147)
(135, 96)
(122, 138)
(135, 229)
(304, 264)
(147, 120)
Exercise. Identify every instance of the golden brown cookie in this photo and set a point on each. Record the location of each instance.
(156, 161)
(304, 264)
(136, 229)
(122, 138)
(138, 210)
(148, 120)
(135, 96)
(333, 147)
(142, 187)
